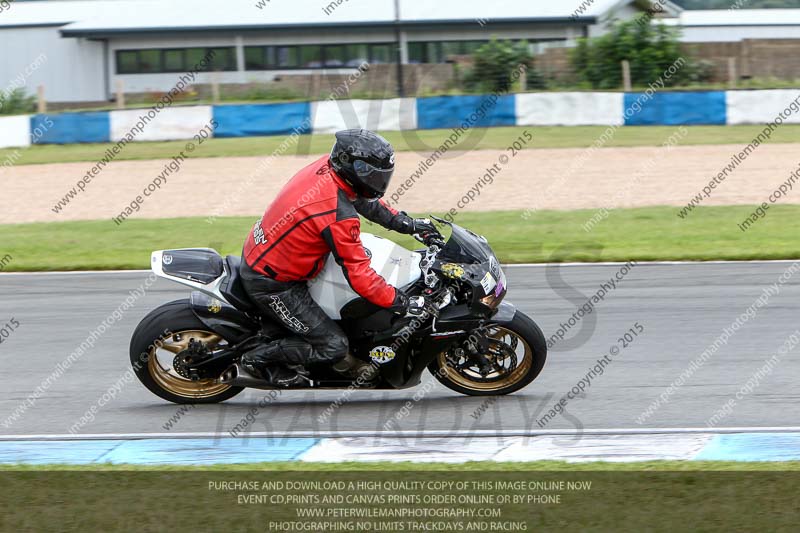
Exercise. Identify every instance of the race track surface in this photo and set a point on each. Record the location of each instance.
(683, 308)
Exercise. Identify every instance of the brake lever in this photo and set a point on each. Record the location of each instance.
(432, 241)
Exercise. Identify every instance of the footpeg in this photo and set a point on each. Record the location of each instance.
(286, 377)
(365, 374)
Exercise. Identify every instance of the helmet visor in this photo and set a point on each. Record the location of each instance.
(376, 180)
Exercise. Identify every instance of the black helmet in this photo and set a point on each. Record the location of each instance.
(365, 160)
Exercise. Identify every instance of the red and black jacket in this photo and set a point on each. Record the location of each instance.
(314, 214)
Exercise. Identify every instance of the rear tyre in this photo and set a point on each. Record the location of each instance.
(160, 336)
(517, 352)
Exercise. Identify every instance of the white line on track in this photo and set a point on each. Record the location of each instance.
(411, 433)
(618, 263)
(514, 265)
(74, 272)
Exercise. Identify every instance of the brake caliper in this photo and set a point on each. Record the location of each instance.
(196, 353)
(477, 345)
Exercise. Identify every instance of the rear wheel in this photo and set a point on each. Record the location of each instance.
(162, 335)
(516, 355)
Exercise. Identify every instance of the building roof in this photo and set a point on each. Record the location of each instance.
(737, 17)
(53, 13)
(87, 18)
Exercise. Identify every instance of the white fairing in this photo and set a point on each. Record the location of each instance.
(398, 266)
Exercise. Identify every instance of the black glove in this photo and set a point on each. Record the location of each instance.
(414, 306)
(427, 232)
(417, 306)
(400, 304)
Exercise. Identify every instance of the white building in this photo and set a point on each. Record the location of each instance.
(82, 48)
(734, 25)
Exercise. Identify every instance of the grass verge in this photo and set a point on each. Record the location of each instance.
(643, 234)
(403, 497)
(421, 141)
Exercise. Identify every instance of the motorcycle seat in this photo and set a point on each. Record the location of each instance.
(232, 288)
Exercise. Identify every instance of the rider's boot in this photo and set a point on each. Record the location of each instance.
(363, 373)
(279, 362)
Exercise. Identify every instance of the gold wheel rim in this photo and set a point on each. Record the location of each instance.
(163, 373)
(498, 335)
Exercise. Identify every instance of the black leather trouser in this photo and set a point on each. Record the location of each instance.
(318, 338)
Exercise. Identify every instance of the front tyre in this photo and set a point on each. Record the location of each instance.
(517, 353)
(160, 336)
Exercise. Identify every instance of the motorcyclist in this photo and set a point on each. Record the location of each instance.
(317, 213)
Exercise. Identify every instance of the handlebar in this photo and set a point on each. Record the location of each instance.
(437, 240)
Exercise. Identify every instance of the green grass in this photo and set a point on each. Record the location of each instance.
(665, 496)
(421, 141)
(652, 233)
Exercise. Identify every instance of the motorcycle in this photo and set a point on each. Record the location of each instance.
(472, 341)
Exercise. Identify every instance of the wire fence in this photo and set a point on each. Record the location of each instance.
(708, 66)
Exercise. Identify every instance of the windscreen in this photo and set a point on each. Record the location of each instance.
(463, 246)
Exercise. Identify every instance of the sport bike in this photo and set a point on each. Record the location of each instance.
(471, 340)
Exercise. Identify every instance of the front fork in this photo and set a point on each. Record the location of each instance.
(477, 344)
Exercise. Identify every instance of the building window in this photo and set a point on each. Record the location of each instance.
(416, 53)
(335, 56)
(285, 57)
(150, 61)
(174, 60)
(382, 53)
(434, 52)
(222, 59)
(127, 62)
(255, 58)
(156, 61)
(357, 55)
(316, 56)
(440, 51)
(311, 56)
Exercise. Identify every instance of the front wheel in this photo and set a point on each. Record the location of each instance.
(162, 335)
(516, 355)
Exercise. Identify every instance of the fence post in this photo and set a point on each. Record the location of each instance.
(120, 94)
(316, 85)
(215, 87)
(41, 105)
(523, 77)
(626, 75)
(732, 72)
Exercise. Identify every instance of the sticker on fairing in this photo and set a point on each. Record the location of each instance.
(488, 283)
(501, 284)
(214, 306)
(452, 270)
(382, 354)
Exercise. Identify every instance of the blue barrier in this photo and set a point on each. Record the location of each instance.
(199, 451)
(752, 447)
(480, 111)
(438, 112)
(72, 128)
(262, 119)
(675, 108)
